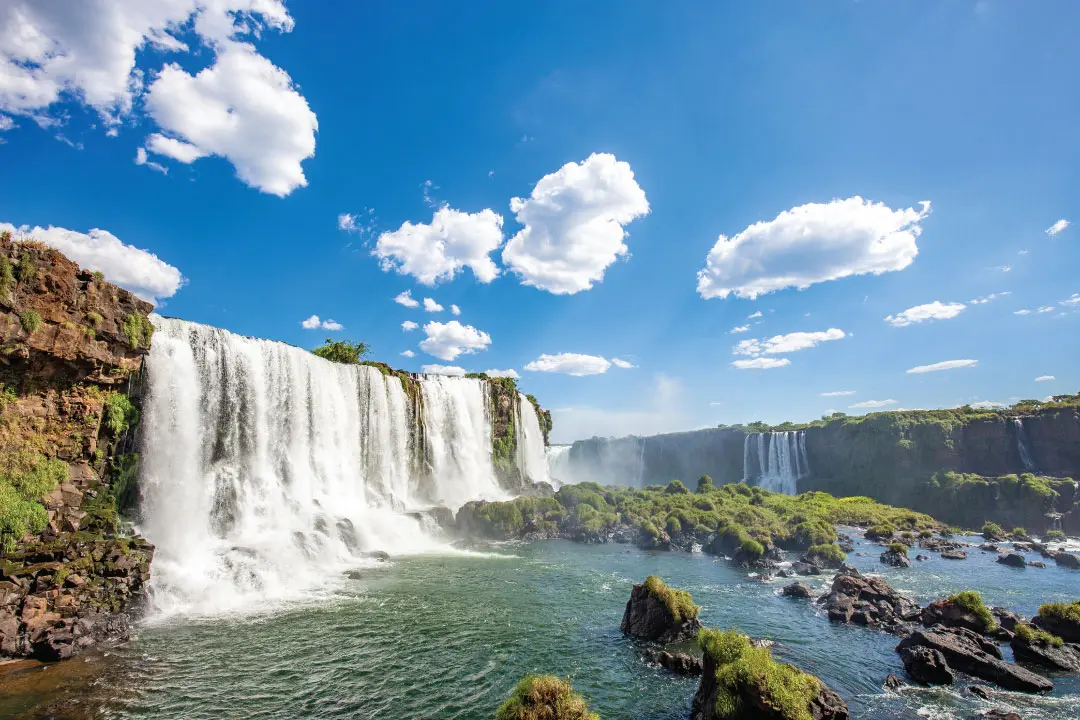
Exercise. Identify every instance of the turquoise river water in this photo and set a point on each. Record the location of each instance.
(447, 636)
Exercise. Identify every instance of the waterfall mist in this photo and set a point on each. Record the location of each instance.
(776, 461)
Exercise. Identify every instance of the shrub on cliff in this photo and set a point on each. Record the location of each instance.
(676, 487)
(1054, 536)
(972, 601)
(138, 330)
(119, 414)
(741, 667)
(898, 547)
(705, 484)
(752, 549)
(678, 602)
(544, 697)
(880, 532)
(342, 351)
(828, 555)
(25, 477)
(1063, 612)
(30, 321)
(7, 277)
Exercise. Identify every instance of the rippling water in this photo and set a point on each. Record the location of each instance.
(448, 636)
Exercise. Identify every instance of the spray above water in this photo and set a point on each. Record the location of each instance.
(266, 470)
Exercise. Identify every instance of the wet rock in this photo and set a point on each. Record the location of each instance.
(978, 691)
(805, 568)
(868, 601)
(353, 574)
(951, 614)
(998, 714)
(989, 547)
(895, 558)
(796, 590)
(967, 652)
(1037, 563)
(1012, 559)
(921, 558)
(1065, 628)
(954, 555)
(893, 683)
(1064, 559)
(940, 545)
(926, 665)
(1039, 652)
(380, 555)
(678, 663)
(648, 618)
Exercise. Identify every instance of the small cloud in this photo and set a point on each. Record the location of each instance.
(620, 363)
(1005, 268)
(946, 365)
(454, 309)
(408, 353)
(1046, 309)
(314, 323)
(409, 326)
(1021, 312)
(510, 373)
(432, 306)
(753, 316)
(760, 363)
(451, 370)
(923, 313)
(429, 199)
(142, 159)
(491, 173)
(1073, 301)
(332, 325)
(1022, 252)
(346, 222)
(837, 393)
(738, 329)
(406, 299)
(1044, 378)
(575, 364)
(1057, 227)
(987, 298)
(873, 404)
(715, 404)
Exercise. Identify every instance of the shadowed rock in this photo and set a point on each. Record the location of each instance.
(969, 653)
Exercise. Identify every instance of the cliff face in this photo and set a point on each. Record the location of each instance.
(659, 459)
(69, 345)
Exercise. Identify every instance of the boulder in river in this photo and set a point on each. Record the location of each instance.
(678, 663)
(969, 653)
(896, 556)
(1065, 559)
(868, 601)
(741, 681)
(926, 665)
(1060, 619)
(1030, 644)
(1012, 559)
(796, 590)
(659, 613)
(954, 555)
(963, 610)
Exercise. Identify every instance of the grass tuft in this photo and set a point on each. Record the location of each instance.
(544, 697)
(678, 602)
(972, 601)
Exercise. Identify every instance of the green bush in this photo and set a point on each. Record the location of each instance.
(341, 351)
(544, 697)
(1018, 533)
(1054, 536)
(25, 477)
(705, 484)
(679, 603)
(1062, 612)
(119, 414)
(972, 601)
(138, 330)
(880, 532)
(992, 531)
(740, 665)
(94, 319)
(752, 549)
(676, 487)
(828, 555)
(30, 320)
(1034, 636)
(99, 277)
(27, 268)
(898, 547)
(7, 277)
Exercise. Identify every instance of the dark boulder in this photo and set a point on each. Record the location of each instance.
(926, 665)
(868, 601)
(1012, 559)
(648, 617)
(895, 558)
(1039, 651)
(804, 568)
(796, 590)
(979, 691)
(952, 614)
(1006, 618)
(998, 714)
(954, 555)
(893, 683)
(1060, 621)
(678, 663)
(1064, 559)
(969, 653)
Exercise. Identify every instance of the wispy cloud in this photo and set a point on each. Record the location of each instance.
(738, 329)
(873, 404)
(946, 365)
(923, 313)
(1044, 378)
(761, 363)
(837, 393)
(1057, 227)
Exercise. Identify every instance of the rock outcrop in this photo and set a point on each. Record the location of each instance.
(1061, 620)
(1046, 651)
(868, 601)
(926, 665)
(969, 653)
(660, 614)
(678, 663)
(951, 613)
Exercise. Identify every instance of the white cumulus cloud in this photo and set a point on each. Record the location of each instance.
(409, 326)
(1046, 309)
(132, 268)
(624, 364)
(570, 364)
(453, 241)
(946, 365)
(760, 363)
(738, 329)
(1057, 227)
(452, 370)
(574, 222)
(408, 353)
(510, 373)
(874, 404)
(315, 322)
(922, 313)
(432, 306)
(346, 222)
(1044, 378)
(837, 393)
(810, 244)
(455, 310)
(406, 299)
(1073, 301)
(792, 342)
(447, 341)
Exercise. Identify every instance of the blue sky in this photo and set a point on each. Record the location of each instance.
(683, 123)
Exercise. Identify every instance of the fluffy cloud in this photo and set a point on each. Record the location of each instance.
(1046, 309)
(570, 364)
(946, 365)
(1044, 378)
(452, 370)
(432, 306)
(738, 329)
(447, 341)
(987, 298)
(921, 313)
(346, 222)
(838, 393)
(242, 107)
(1022, 312)
(574, 222)
(409, 326)
(810, 244)
(873, 404)
(406, 299)
(452, 242)
(139, 271)
(1057, 227)
(314, 323)
(760, 363)
(792, 342)
(1072, 301)
(510, 373)
(455, 310)
(408, 353)
(624, 364)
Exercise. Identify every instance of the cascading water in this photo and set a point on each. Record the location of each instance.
(558, 463)
(776, 460)
(532, 455)
(1022, 445)
(266, 470)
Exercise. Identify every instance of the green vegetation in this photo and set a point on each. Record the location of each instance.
(676, 487)
(30, 320)
(1018, 533)
(740, 665)
(972, 601)
(828, 555)
(342, 351)
(25, 477)
(8, 395)
(94, 319)
(898, 547)
(1054, 536)
(1062, 612)
(1034, 636)
(7, 277)
(881, 531)
(992, 531)
(677, 602)
(705, 484)
(119, 414)
(544, 697)
(751, 549)
(27, 268)
(99, 277)
(138, 330)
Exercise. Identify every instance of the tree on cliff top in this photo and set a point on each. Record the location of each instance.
(342, 351)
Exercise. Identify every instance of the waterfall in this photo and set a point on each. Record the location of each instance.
(265, 470)
(781, 460)
(1022, 446)
(558, 462)
(532, 455)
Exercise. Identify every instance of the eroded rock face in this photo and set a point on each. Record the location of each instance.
(1065, 559)
(969, 653)
(797, 590)
(893, 558)
(926, 665)
(868, 601)
(951, 614)
(678, 663)
(1065, 658)
(646, 618)
(1065, 628)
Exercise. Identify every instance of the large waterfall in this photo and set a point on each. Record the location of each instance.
(532, 453)
(266, 470)
(776, 461)
(1022, 445)
(558, 462)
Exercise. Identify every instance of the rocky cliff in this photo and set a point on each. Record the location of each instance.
(70, 345)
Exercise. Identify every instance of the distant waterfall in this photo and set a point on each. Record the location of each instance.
(1022, 445)
(775, 460)
(532, 455)
(265, 469)
(558, 463)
